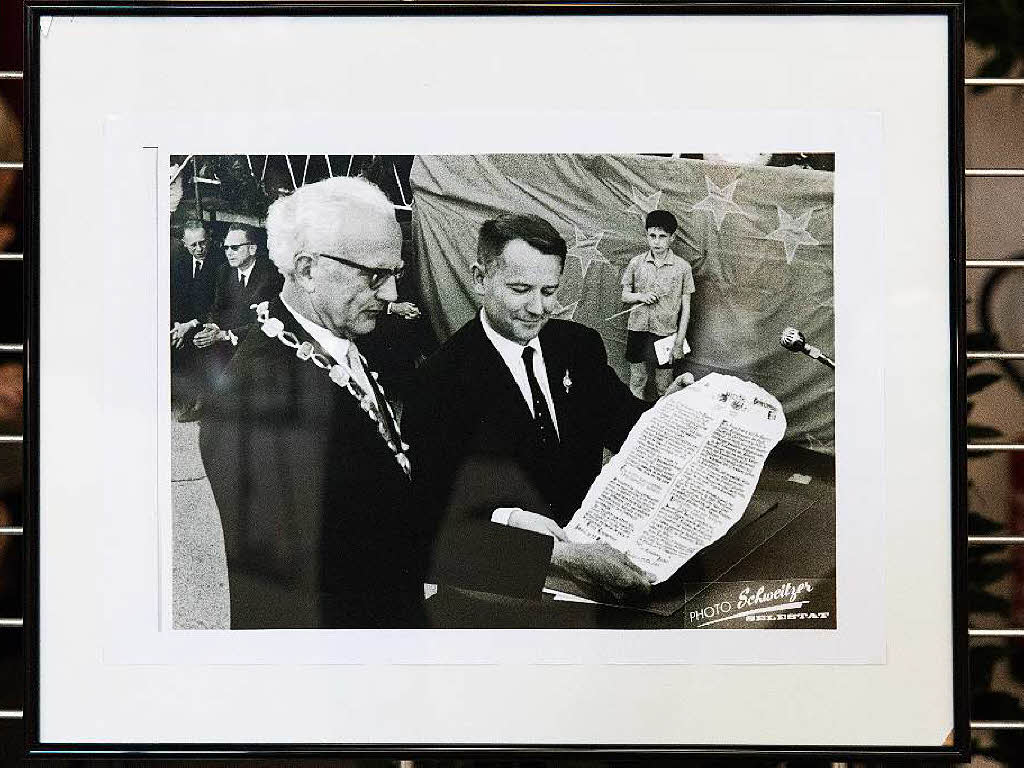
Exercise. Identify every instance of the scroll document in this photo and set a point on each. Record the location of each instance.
(684, 475)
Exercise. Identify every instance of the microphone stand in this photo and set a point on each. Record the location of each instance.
(820, 356)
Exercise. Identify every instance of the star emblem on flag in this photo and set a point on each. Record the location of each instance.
(719, 202)
(566, 311)
(641, 204)
(792, 232)
(585, 251)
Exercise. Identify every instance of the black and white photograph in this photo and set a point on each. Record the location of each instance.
(581, 391)
(560, 380)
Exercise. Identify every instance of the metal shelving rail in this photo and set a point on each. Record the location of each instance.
(1013, 632)
(9, 624)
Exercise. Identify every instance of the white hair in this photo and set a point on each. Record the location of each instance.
(316, 212)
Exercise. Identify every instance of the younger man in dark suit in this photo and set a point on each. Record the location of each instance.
(509, 421)
(245, 279)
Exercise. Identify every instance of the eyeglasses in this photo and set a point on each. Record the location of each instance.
(378, 275)
(235, 248)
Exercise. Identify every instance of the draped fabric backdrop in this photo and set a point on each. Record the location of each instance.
(759, 240)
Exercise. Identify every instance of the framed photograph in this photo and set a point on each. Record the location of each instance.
(452, 379)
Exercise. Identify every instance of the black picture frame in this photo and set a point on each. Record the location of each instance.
(956, 749)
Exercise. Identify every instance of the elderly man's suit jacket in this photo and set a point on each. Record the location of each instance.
(475, 448)
(319, 528)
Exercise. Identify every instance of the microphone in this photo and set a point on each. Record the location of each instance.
(794, 341)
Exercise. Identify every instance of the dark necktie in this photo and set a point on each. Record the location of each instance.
(241, 280)
(541, 414)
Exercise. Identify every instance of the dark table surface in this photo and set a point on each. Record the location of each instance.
(786, 536)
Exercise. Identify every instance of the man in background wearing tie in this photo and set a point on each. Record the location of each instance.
(508, 424)
(246, 278)
(305, 459)
(193, 279)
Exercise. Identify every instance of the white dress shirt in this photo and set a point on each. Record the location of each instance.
(512, 353)
(244, 273)
(197, 264)
(334, 346)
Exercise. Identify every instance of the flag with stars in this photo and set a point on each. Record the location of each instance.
(759, 241)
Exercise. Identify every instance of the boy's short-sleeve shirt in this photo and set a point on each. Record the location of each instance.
(670, 277)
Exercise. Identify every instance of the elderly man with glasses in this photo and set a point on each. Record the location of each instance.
(301, 445)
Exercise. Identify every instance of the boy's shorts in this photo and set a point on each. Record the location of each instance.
(640, 348)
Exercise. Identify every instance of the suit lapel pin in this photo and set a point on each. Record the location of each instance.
(566, 381)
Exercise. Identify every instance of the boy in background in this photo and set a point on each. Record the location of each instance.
(659, 283)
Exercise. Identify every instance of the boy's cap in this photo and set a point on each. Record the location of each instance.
(662, 220)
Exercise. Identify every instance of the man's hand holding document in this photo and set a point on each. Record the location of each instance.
(684, 475)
